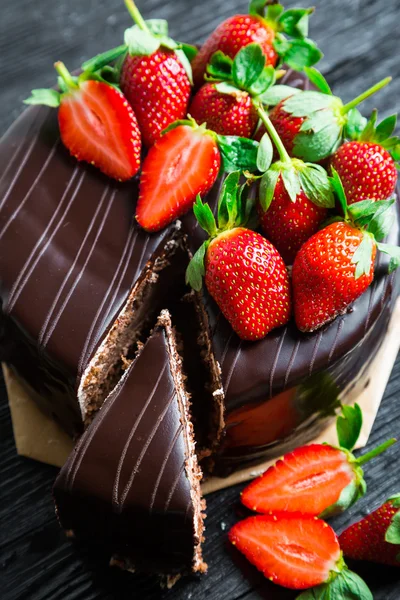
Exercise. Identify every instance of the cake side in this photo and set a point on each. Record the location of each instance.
(131, 485)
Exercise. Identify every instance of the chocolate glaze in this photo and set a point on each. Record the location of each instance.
(69, 254)
(125, 487)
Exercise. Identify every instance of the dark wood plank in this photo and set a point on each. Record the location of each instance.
(36, 562)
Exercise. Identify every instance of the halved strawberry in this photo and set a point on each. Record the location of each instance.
(292, 550)
(97, 125)
(182, 164)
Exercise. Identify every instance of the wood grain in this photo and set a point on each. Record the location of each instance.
(36, 562)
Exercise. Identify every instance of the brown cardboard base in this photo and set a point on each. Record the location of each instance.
(38, 437)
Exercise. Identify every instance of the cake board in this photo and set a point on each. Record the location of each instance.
(38, 437)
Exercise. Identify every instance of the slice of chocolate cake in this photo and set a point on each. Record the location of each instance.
(132, 484)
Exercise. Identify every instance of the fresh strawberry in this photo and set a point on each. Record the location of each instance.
(155, 76)
(376, 537)
(226, 114)
(289, 224)
(292, 550)
(366, 165)
(336, 265)
(183, 163)
(316, 480)
(97, 125)
(312, 124)
(265, 29)
(244, 273)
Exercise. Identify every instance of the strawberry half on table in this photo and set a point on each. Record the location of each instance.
(243, 271)
(367, 164)
(298, 552)
(376, 537)
(268, 25)
(336, 265)
(182, 164)
(97, 125)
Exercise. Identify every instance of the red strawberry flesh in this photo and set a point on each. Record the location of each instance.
(291, 550)
(183, 163)
(98, 126)
(309, 480)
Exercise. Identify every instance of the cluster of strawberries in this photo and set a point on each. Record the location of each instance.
(290, 541)
(242, 121)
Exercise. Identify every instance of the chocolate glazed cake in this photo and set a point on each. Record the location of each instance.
(132, 483)
(81, 284)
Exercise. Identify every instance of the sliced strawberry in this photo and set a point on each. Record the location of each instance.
(309, 480)
(291, 550)
(98, 126)
(182, 164)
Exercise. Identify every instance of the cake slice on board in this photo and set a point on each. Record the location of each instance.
(132, 484)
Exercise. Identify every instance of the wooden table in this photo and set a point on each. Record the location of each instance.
(360, 40)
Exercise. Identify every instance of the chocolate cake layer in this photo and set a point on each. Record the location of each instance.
(131, 485)
(70, 255)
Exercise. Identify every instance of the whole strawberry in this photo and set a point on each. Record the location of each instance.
(243, 272)
(336, 265)
(265, 28)
(298, 552)
(312, 124)
(155, 76)
(375, 538)
(183, 163)
(366, 165)
(226, 114)
(97, 125)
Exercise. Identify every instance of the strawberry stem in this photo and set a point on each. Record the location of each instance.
(378, 86)
(273, 134)
(136, 16)
(65, 75)
(376, 451)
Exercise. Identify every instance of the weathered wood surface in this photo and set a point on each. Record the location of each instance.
(360, 40)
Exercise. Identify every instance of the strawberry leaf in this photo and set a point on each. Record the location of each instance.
(362, 256)
(190, 51)
(267, 187)
(227, 88)
(355, 124)
(393, 252)
(102, 60)
(220, 66)
(345, 585)
(318, 80)
(274, 11)
(140, 42)
(385, 129)
(195, 270)
(319, 145)
(305, 103)
(264, 81)
(158, 26)
(316, 185)
(317, 120)
(298, 53)
(265, 153)
(205, 217)
(228, 201)
(348, 426)
(238, 154)
(257, 7)
(46, 97)
(294, 22)
(291, 181)
(338, 188)
(248, 66)
(382, 220)
(277, 93)
(392, 535)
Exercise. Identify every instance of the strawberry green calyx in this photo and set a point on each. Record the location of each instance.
(374, 219)
(381, 134)
(235, 209)
(325, 120)
(392, 535)
(357, 488)
(291, 43)
(344, 584)
(348, 426)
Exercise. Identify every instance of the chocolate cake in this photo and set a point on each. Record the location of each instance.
(132, 484)
(81, 284)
